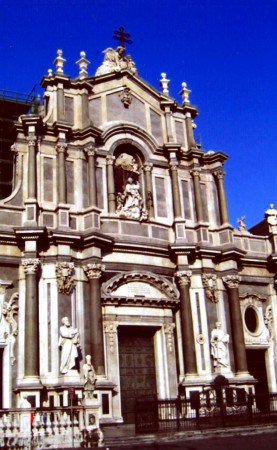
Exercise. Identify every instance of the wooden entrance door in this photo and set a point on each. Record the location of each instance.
(137, 367)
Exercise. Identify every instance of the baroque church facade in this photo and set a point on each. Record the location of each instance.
(116, 246)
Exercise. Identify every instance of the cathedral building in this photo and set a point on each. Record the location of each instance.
(116, 252)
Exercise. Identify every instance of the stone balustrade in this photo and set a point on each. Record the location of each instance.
(35, 428)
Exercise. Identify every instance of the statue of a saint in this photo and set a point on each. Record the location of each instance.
(89, 377)
(69, 342)
(219, 341)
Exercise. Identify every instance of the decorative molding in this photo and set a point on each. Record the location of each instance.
(232, 281)
(31, 265)
(126, 97)
(93, 270)
(9, 310)
(183, 277)
(252, 298)
(110, 328)
(209, 281)
(268, 320)
(64, 274)
(160, 283)
(172, 304)
(169, 332)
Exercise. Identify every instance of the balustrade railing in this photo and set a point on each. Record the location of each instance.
(35, 428)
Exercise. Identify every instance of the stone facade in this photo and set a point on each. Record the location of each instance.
(118, 222)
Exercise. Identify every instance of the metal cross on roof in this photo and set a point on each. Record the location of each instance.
(122, 36)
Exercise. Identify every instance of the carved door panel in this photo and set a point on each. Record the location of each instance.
(137, 367)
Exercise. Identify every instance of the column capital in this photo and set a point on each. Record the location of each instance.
(173, 165)
(195, 172)
(231, 281)
(93, 270)
(61, 147)
(110, 160)
(219, 173)
(31, 265)
(183, 277)
(148, 167)
(90, 150)
(31, 141)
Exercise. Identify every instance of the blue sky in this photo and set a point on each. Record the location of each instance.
(225, 50)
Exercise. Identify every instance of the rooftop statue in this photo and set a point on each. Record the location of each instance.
(116, 60)
(271, 217)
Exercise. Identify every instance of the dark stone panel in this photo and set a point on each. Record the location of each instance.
(224, 237)
(161, 200)
(203, 191)
(134, 229)
(48, 220)
(156, 125)
(85, 183)
(88, 221)
(117, 111)
(253, 289)
(257, 246)
(110, 227)
(216, 205)
(95, 114)
(179, 131)
(69, 110)
(100, 187)
(73, 223)
(48, 179)
(159, 233)
(10, 218)
(186, 203)
(69, 165)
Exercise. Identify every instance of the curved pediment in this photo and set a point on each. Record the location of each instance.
(140, 284)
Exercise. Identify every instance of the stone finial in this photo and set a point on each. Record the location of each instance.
(59, 61)
(164, 83)
(50, 72)
(83, 65)
(185, 94)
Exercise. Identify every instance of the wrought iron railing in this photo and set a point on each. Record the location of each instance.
(211, 408)
(18, 96)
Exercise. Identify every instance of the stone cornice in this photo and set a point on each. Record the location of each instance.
(140, 301)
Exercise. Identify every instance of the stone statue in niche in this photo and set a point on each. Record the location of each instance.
(89, 378)
(219, 342)
(69, 344)
(130, 203)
